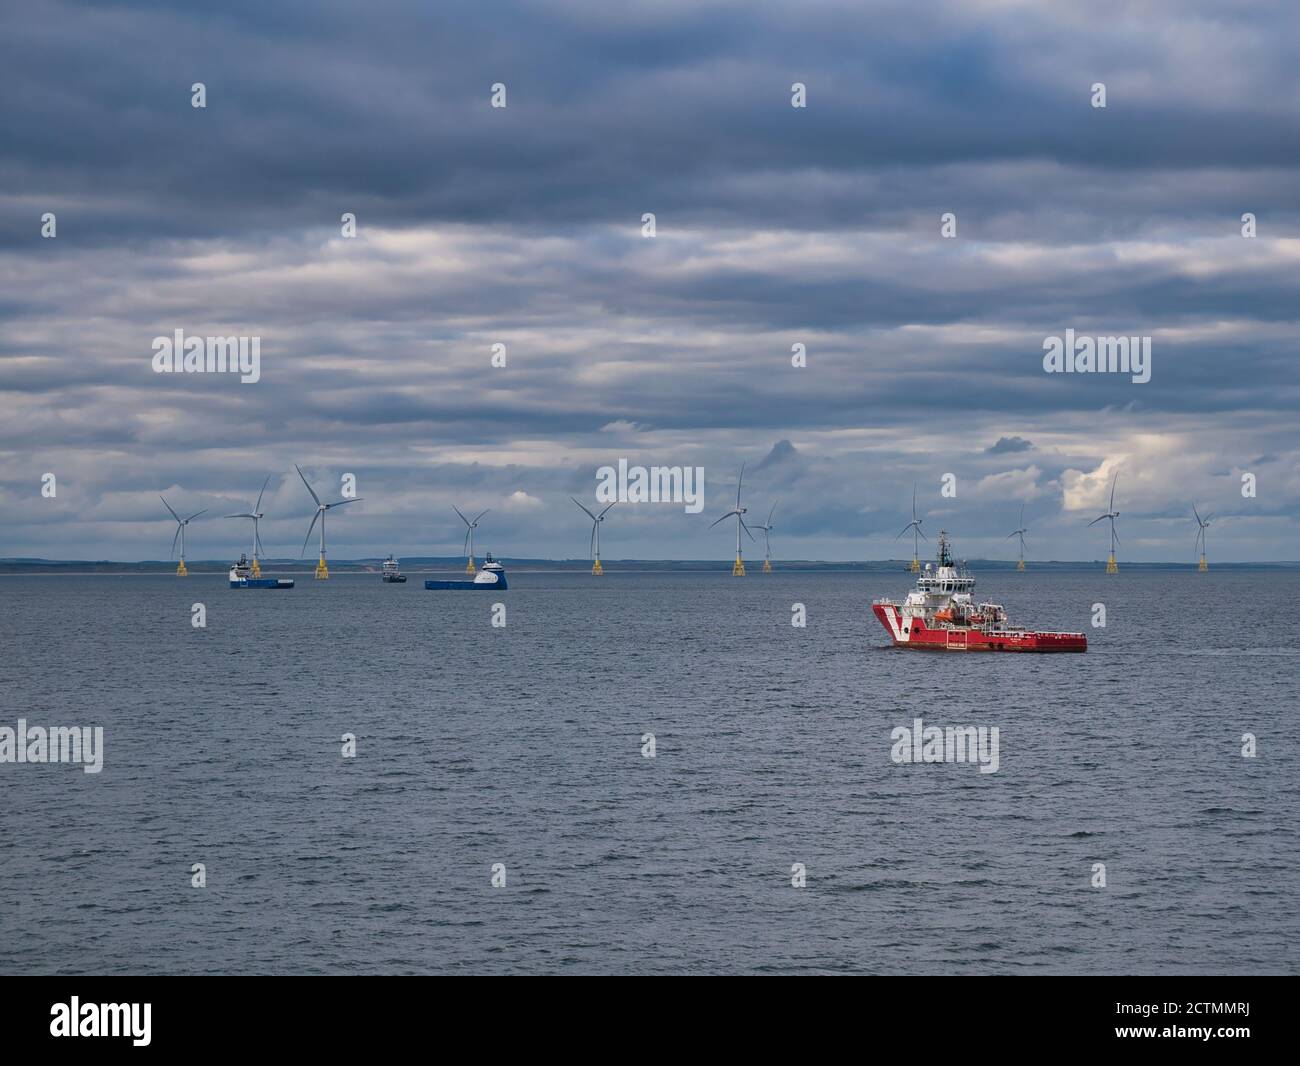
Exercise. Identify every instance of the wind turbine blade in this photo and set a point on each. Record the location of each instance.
(588, 513)
(305, 482)
(169, 508)
(340, 503)
(723, 518)
(253, 516)
(1022, 515)
(1099, 518)
(1115, 535)
(1208, 517)
(1114, 481)
(771, 513)
(462, 517)
(1010, 535)
(480, 515)
(591, 543)
(196, 515)
(303, 554)
(739, 481)
(1198, 515)
(604, 512)
(257, 539)
(918, 529)
(175, 537)
(745, 527)
(258, 506)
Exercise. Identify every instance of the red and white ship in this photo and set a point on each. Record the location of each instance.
(941, 614)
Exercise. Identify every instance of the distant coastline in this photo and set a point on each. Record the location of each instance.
(417, 564)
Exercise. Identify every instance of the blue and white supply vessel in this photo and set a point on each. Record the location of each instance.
(492, 575)
(241, 577)
(392, 575)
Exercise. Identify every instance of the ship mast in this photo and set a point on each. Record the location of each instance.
(945, 555)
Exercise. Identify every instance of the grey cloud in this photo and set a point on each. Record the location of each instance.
(521, 226)
(1006, 445)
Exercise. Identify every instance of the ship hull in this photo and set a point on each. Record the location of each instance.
(484, 586)
(916, 634)
(263, 583)
(399, 580)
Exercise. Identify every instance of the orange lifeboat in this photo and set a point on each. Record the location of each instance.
(944, 615)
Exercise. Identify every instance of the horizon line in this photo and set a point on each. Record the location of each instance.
(456, 560)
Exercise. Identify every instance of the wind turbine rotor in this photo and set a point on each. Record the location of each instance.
(307, 483)
(307, 539)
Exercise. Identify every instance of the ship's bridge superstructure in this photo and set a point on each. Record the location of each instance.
(942, 585)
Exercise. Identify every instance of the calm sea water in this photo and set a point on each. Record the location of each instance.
(522, 745)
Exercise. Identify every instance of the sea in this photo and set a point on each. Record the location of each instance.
(648, 773)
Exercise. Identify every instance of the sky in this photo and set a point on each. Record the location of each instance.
(775, 226)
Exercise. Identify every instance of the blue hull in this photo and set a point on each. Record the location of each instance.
(263, 583)
(495, 586)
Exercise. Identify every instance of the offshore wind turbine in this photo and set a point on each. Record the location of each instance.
(1021, 534)
(738, 568)
(1112, 567)
(469, 535)
(1202, 524)
(322, 571)
(181, 523)
(915, 526)
(767, 540)
(256, 515)
(596, 519)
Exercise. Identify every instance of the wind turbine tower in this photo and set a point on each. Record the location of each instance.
(738, 512)
(767, 540)
(322, 571)
(256, 515)
(915, 526)
(469, 535)
(1021, 534)
(596, 520)
(181, 523)
(1112, 567)
(1202, 524)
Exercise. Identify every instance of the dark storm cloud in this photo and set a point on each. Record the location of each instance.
(522, 226)
(383, 110)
